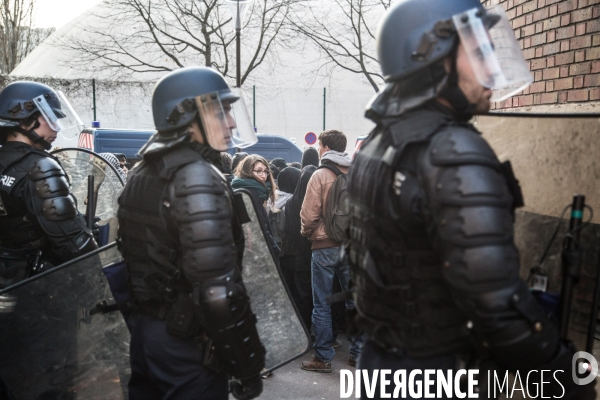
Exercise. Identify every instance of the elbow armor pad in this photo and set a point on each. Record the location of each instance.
(515, 325)
(230, 323)
(473, 207)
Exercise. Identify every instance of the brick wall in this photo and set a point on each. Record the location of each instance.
(561, 44)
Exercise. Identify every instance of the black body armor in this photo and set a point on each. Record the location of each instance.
(434, 261)
(39, 220)
(183, 244)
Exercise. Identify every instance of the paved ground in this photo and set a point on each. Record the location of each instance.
(291, 382)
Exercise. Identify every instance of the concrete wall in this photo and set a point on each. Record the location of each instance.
(553, 158)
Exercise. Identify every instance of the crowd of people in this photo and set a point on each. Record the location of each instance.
(418, 226)
(293, 201)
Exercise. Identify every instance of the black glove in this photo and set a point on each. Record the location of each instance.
(246, 389)
(567, 388)
(96, 231)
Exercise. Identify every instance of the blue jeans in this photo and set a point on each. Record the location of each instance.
(324, 265)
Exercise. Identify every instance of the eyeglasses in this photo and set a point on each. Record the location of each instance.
(261, 171)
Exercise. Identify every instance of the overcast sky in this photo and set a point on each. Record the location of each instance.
(56, 13)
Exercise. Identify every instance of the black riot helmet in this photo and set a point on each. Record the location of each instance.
(173, 103)
(199, 92)
(21, 102)
(415, 36)
(416, 33)
(16, 100)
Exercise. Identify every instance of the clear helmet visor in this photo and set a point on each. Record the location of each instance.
(493, 51)
(225, 120)
(58, 113)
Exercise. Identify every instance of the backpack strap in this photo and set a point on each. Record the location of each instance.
(333, 168)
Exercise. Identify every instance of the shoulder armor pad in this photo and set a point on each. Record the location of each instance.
(53, 186)
(458, 146)
(59, 208)
(199, 177)
(45, 167)
(473, 184)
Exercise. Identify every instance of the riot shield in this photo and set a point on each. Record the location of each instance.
(278, 321)
(108, 184)
(54, 344)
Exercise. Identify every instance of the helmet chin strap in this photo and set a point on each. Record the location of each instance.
(211, 155)
(198, 120)
(452, 92)
(34, 137)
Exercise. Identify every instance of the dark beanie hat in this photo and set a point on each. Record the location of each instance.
(279, 163)
(274, 171)
(310, 157)
(236, 159)
(288, 179)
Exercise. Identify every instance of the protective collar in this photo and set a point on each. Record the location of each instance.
(452, 92)
(33, 136)
(396, 98)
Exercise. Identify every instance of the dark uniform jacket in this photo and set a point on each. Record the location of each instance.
(182, 241)
(432, 248)
(39, 220)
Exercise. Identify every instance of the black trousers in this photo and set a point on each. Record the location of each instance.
(373, 357)
(288, 264)
(166, 367)
(304, 299)
(300, 284)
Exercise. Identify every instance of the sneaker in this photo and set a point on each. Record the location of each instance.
(336, 344)
(265, 375)
(352, 361)
(316, 365)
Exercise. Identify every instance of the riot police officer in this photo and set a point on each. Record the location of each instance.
(39, 221)
(181, 237)
(432, 249)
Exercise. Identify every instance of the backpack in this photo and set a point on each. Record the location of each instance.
(337, 210)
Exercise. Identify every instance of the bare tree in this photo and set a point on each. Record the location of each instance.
(140, 36)
(17, 36)
(344, 32)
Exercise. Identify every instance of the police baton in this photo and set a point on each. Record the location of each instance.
(571, 262)
(89, 211)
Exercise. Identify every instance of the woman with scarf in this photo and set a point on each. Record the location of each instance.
(254, 175)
